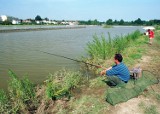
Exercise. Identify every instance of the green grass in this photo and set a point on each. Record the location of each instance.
(151, 110)
(88, 105)
(97, 82)
(135, 56)
(157, 27)
(157, 37)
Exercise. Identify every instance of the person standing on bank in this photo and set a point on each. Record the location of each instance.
(117, 74)
(151, 36)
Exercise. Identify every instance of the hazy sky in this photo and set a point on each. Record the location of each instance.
(101, 10)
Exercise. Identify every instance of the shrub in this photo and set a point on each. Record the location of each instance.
(100, 47)
(60, 84)
(21, 89)
(4, 102)
(119, 44)
(21, 93)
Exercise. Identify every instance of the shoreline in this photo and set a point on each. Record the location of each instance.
(39, 29)
(92, 97)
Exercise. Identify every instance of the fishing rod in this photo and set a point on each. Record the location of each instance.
(98, 66)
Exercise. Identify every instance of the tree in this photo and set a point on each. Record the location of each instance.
(95, 22)
(109, 22)
(38, 18)
(115, 22)
(121, 22)
(46, 19)
(138, 21)
(6, 22)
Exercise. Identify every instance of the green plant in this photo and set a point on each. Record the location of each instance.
(104, 49)
(107, 26)
(119, 44)
(21, 93)
(135, 56)
(60, 84)
(97, 82)
(21, 89)
(151, 110)
(4, 102)
(89, 104)
(158, 97)
(98, 48)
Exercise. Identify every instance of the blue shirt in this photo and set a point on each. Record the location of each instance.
(120, 70)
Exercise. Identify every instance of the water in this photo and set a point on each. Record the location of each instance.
(20, 51)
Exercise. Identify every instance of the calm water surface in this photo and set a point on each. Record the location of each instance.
(19, 50)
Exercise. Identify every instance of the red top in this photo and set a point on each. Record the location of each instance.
(151, 34)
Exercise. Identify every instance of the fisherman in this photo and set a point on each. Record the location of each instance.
(117, 74)
(151, 36)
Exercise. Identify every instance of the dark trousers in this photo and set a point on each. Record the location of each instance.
(116, 81)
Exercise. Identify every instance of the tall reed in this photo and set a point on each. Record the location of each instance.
(103, 48)
(99, 47)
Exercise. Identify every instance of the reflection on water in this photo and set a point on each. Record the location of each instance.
(20, 51)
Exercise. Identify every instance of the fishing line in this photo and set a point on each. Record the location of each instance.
(69, 58)
(86, 70)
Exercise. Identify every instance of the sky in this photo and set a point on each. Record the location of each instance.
(101, 10)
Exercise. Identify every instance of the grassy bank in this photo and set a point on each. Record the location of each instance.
(68, 92)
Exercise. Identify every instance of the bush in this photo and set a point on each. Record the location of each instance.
(119, 44)
(21, 89)
(60, 84)
(96, 48)
(22, 94)
(4, 102)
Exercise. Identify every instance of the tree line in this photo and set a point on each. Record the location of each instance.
(121, 22)
(96, 22)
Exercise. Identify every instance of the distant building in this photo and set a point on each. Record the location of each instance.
(73, 23)
(38, 22)
(3, 17)
(54, 22)
(14, 22)
(27, 21)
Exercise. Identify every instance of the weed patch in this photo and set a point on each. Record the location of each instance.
(61, 83)
(151, 110)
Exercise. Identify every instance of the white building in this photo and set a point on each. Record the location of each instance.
(54, 22)
(3, 17)
(38, 22)
(14, 22)
(73, 23)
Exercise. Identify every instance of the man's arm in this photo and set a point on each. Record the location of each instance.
(105, 70)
